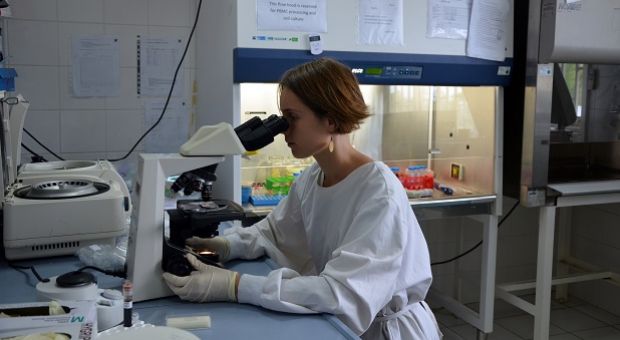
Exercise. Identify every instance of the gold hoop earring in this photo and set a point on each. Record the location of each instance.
(331, 144)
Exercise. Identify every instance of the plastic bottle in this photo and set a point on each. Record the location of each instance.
(430, 179)
(408, 177)
(396, 171)
(426, 177)
(412, 181)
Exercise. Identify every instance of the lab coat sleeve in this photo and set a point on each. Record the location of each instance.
(355, 284)
(279, 235)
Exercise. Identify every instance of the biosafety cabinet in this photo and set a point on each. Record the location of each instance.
(567, 153)
(431, 105)
(571, 96)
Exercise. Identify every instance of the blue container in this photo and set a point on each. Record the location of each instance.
(7, 79)
(265, 200)
(245, 194)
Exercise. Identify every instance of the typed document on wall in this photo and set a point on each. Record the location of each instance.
(448, 19)
(158, 59)
(487, 29)
(380, 22)
(291, 15)
(95, 66)
(173, 129)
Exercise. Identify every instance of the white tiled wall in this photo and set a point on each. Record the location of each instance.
(45, 126)
(39, 84)
(516, 251)
(38, 41)
(596, 239)
(80, 10)
(134, 12)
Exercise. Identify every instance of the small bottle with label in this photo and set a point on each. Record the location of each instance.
(426, 177)
(413, 180)
(396, 171)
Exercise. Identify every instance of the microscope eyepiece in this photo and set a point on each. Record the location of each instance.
(256, 133)
(276, 124)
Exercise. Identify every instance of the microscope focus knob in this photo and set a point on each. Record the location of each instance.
(178, 265)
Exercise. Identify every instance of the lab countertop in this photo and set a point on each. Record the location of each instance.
(228, 320)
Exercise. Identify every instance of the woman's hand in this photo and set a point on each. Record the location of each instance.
(218, 245)
(206, 284)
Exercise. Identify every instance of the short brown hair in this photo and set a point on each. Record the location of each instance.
(330, 90)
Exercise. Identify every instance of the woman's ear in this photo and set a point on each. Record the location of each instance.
(331, 125)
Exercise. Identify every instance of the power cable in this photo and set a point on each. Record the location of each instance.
(42, 145)
(477, 244)
(174, 79)
(120, 274)
(31, 268)
(161, 116)
(34, 153)
(42, 279)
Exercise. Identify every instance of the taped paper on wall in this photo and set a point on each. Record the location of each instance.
(380, 22)
(96, 66)
(448, 19)
(487, 29)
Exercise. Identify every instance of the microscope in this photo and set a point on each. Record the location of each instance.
(152, 248)
(195, 217)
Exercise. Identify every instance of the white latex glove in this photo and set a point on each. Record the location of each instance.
(206, 284)
(218, 245)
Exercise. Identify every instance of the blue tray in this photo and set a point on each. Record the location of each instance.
(261, 200)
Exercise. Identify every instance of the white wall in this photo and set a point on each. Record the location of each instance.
(516, 250)
(596, 239)
(38, 44)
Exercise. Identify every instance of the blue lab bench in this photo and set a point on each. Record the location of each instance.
(228, 320)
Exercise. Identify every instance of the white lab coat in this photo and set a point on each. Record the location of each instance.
(354, 250)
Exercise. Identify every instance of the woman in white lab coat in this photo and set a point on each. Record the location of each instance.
(345, 237)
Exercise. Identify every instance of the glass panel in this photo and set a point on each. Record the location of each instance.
(568, 103)
(574, 77)
(603, 104)
(586, 149)
(437, 127)
(405, 132)
(463, 138)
